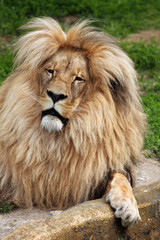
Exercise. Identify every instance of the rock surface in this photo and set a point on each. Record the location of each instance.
(95, 220)
(148, 171)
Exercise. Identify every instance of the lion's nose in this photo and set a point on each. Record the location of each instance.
(56, 97)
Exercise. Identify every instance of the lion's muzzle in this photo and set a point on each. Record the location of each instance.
(54, 113)
(52, 120)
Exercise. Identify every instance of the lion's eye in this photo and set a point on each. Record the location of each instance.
(79, 79)
(50, 71)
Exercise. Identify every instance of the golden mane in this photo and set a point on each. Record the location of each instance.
(58, 170)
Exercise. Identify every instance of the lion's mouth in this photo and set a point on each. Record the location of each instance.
(54, 113)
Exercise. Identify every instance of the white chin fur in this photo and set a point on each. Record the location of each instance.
(51, 123)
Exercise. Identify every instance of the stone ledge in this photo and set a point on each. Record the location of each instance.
(94, 220)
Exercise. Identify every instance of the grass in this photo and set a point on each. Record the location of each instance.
(7, 207)
(6, 60)
(119, 18)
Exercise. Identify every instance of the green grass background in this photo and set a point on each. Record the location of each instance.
(120, 17)
(117, 17)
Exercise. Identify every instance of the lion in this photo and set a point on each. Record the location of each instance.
(71, 120)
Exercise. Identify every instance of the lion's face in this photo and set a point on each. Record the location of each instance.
(63, 82)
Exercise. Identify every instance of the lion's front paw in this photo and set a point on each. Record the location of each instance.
(120, 196)
(125, 209)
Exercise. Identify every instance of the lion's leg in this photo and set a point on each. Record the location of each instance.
(120, 196)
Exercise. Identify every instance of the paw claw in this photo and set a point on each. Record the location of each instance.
(127, 211)
(130, 218)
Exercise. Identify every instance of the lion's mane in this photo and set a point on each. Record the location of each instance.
(58, 170)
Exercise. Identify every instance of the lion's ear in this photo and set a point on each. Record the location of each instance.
(120, 92)
(110, 67)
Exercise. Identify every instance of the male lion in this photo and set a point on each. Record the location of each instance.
(71, 121)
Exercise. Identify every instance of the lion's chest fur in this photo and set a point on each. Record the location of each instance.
(46, 169)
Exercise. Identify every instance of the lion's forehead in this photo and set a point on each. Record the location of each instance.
(69, 60)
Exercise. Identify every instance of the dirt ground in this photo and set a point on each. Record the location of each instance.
(146, 36)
